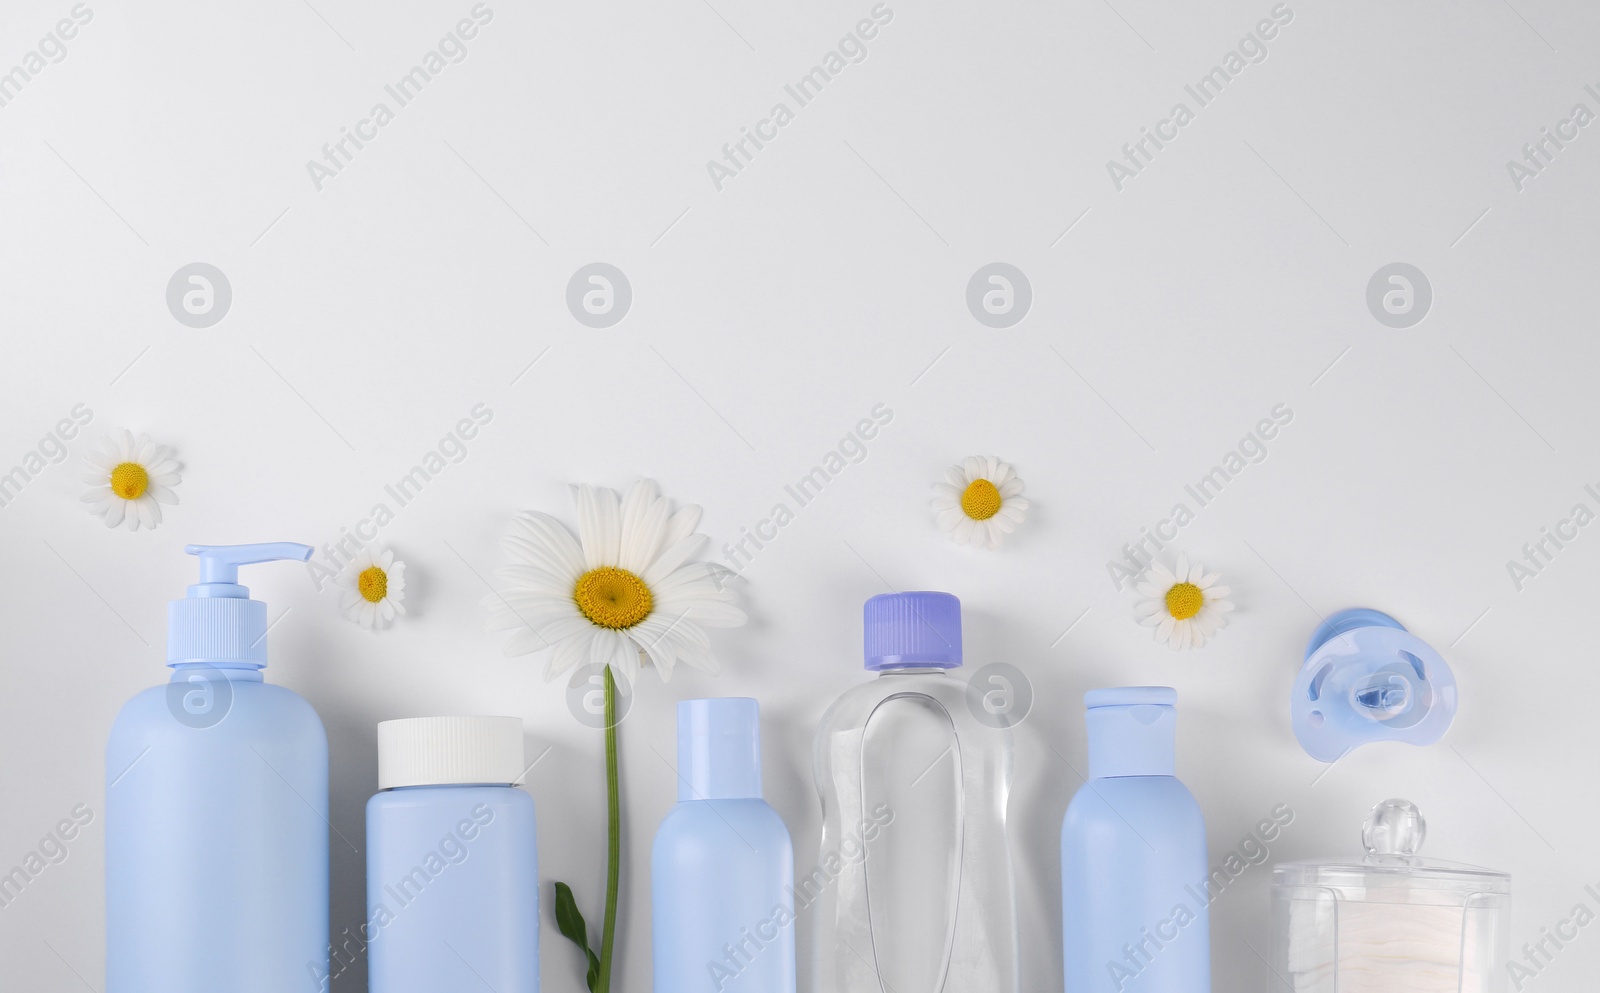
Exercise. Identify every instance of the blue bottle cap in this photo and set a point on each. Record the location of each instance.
(719, 749)
(912, 630)
(1132, 731)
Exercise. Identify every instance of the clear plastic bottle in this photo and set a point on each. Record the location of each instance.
(913, 887)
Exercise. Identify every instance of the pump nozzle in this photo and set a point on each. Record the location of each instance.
(218, 622)
(220, 563)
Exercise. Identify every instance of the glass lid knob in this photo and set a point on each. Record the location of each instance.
(1394, 828)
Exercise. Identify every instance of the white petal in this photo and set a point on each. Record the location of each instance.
(599, 525)
(964, 530)
(149, 510)
(1165, 628)
(711, 613)
(643, 525)
(541, 540)
(699, 658)
(568, 654)
(671, 559)
(681, 525)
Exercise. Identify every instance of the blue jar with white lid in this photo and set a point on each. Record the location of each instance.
(452, 860)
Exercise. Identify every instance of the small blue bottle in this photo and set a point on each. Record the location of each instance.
(1133, 856)
(452, 860)
(217, 807)
(722, 869)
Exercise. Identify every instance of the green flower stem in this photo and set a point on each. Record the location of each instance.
(613, 837)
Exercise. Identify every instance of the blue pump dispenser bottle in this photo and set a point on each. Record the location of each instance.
(722, 869)
(217, 808)
(1133, 856)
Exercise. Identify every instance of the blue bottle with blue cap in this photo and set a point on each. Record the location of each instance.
(913, 888)
(722, 868)
(216, 807)
(1134, 882)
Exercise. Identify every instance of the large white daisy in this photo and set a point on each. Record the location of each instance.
(1186, 605)
(627, 588)
(374, 589)
(979, 501)
(129, 479)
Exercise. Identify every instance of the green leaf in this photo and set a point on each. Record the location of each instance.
(570, 920)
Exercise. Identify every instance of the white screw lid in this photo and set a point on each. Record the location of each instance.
(443, 751)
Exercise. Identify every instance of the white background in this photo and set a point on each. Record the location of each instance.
(769, 317)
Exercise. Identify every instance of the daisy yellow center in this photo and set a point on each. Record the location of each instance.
(129, 480)
(612, 597)
(981, 500)
(1184, 601)
(372, 584)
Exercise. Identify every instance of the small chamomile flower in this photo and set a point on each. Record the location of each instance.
(374, 586)
(129, 479)
(979, 502)
(1186, 605)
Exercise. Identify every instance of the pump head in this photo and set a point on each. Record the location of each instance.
(217, 622)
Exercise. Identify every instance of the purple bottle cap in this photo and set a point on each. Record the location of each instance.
(912, 630)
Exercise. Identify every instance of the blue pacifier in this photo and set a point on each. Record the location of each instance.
(1366, 678)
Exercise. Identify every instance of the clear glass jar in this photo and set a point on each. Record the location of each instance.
(1390, 921)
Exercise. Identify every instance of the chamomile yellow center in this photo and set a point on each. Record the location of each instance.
(129, 480)
(372, 584)
(612, 597)
(1184, 601)
(981, 500)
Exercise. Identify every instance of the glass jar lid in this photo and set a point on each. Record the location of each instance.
(1392, 836)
